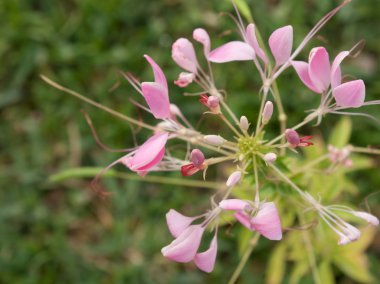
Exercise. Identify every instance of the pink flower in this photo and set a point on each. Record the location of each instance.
(212, 102)
(178, 223)
(266, 220)
(205, 261)
(295, 140)
(148, 154)
(183, 54)
(156, 93)
(185, 246)
(318, 75)
(281, 43)
(197, 163)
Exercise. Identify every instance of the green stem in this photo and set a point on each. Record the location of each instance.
(90, 172)
(244, 259)
(365, 150)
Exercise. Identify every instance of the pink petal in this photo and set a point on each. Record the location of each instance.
(150, 153)
(234, 204)
(350, 94)
(183, 54)
(201, 36)
(336, 74)
(302, 69)
(319, 68)
(234, 178)
(157, 99)
(232, 51)
(159, 76)
(267, 222)
(184, 248)
(205, 261)
(177, 223)
(252, 41)
(244, 219)
(280, 43)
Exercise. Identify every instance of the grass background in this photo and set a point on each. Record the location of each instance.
(62, 233)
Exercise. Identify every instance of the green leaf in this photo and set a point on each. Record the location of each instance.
(354, 265)
(276, 266)
(325, 272)
(341, 133)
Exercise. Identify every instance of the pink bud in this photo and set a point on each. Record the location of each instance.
(213, 102)
(270, 158)
(215, 140)
(183, 54)
(177, 223)
(197, 158)
(234, 204)
(174, 110)
(367, 217)
(267, 112)
(292, 137)
(244, 124)
(185, 246)
(184, 79)
(233, 179)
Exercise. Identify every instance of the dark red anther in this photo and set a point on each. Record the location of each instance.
(305, 141)
(189, 170)
(204, 99)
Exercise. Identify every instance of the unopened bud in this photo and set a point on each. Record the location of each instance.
(215, 140)
(184, 79)
(233, 179)
(267, 112)
(270, 158)
(197, 158)
(244, 124)
(213, 102)
(292, 137)
(367, 217)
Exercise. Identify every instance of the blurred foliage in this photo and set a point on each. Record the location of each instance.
(60, 232)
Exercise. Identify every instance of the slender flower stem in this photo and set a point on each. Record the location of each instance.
(229, 111)
(365, 150)
(213, 161)
(263, 99)
(308, 119)
(257, 185)
(222, 116)
(244, 259)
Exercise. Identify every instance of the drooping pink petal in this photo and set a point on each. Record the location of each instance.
(267, 222)
(149, 154)
(177, 223)
(319, 68)
(244, 219)
(184, 248)
(252, 41)
(183, 54)
(157, 99)
(302, 69)
(336, 74)
(159, 76)
(234, 204)
(350, 94)
(232, 51)
(201, 36)
(205, 261)
(281, 43)
(184, 79)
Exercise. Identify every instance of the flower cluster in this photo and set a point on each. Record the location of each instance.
(248, 150)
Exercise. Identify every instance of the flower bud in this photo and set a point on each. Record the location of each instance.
(215, 140)
(174, 110)
(233, 179)
(270, 158)
(292, 137)
(197, 158)
(184, 79)
(213, 102)
(183, 54)
(267, 112)
(244, 124)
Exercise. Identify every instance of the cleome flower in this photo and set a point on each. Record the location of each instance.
(251, 155)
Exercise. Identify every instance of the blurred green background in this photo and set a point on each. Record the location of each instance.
(61, 232)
